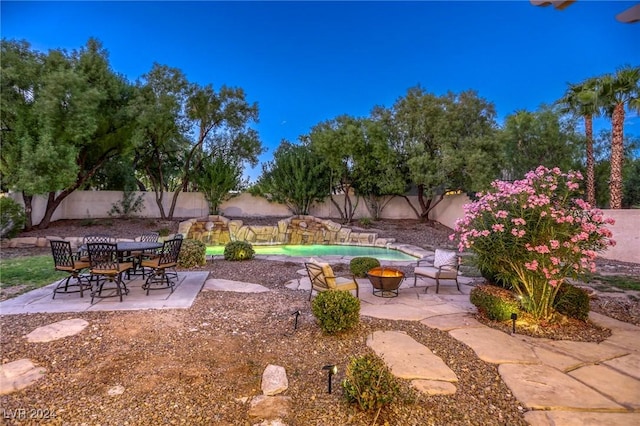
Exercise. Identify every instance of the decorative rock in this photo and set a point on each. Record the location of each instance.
(494, 346)
(57, 330)
(116, 390)
(270, 407)
(274, 380)
(18, 375)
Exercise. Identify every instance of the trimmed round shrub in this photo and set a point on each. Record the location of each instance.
(359, 266)
(12, 217)
(496, 302)
(573, 302)
(369, 383)
(238, 250)
(192, 254)
(336, 310)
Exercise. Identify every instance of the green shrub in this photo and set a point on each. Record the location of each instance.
(164, 232)
(365, 222)
(128, 205)
(496, 302)
(369, 383)
(238, 250)
(359, 266)
(12, 218)
(192, 253)
(572, 302)
(336, 310)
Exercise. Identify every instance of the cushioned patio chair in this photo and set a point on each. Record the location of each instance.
(322, 279)
(445, 267)
(163, 265)
(94, 238)
(66, 261)
(106, 267)
(138, 256)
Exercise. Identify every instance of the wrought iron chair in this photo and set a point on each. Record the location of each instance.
(445, 267)
(323, 278)
(66, 261)
(139, 256)
(106, 266)
(94, 238)
(163, 265)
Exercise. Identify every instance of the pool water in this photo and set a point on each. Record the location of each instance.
(322, 250)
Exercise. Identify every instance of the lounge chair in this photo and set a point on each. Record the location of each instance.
(445, 267)
(323, 278)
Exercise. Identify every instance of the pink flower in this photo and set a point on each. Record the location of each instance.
(497, 227)
(532, 266)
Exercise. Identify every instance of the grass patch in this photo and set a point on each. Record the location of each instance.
(614, 283)
(28, 272)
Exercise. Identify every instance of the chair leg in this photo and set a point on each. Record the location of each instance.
(437, 285)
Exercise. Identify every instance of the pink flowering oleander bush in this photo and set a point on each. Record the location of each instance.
(534, 234)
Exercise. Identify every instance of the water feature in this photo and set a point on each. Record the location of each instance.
(322, 250)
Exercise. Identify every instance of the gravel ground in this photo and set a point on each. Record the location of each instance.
(197, 366)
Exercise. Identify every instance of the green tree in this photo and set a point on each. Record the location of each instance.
(582, 100)
(539, 138)
(448, 141)
(161, 127)
(378, 172)
(619, 91)
(296, 177)
(66, 116)
(336, 142)
(219, 179)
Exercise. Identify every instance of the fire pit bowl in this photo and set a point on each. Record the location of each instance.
(385, 281)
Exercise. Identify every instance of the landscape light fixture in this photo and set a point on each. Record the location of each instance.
(331, 369)
(295, 324)
(514, 317)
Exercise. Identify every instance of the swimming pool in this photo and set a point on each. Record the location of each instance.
(322, 250)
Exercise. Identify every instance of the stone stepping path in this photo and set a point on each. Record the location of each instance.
(216, 284)
(57, 330)
(18, 375)
(408, 359)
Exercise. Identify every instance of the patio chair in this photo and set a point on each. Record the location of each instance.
(66, 261)
(94, 238)
(445, 267)
(323, 278)
(106, 267)
(138, 256)
(163, 265)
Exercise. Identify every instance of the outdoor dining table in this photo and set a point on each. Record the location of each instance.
(125, 248)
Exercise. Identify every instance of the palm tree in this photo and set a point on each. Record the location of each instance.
(582, 100)
(619, 91)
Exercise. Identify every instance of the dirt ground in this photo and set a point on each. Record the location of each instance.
(201, 366)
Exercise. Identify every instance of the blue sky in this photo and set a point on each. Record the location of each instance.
(306, 62)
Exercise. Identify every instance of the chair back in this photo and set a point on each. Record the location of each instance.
(103, 257)
(321, 275)
(62, 254)
(150, 237)
(98, 238)
(170, 252)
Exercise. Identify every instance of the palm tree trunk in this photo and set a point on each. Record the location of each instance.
(591, 174)
(617, 157)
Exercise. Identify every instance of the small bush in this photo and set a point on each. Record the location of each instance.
(369, 383)
(128, 205)
(496, 302)
(192, 253)
(359, 266)
(238, 250)
(336, 310)
(163, 232)
(12, 217)
(365, 222)
(572, 302)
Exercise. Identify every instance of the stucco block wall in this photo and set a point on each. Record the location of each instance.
(96, 204)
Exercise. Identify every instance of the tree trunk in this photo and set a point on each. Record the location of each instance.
(28, 208)
(591, 174)
(427, 205)
(411, 205)
(617, 157)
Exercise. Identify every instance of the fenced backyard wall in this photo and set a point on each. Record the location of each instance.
(96, 204)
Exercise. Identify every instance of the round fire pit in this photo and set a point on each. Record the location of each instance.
(385, 281)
